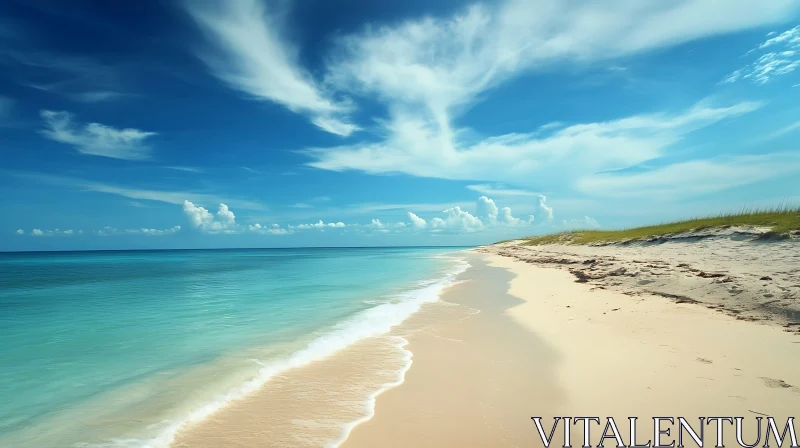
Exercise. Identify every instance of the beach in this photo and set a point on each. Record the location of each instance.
(514, 339)
(561, 348)
(427, 348)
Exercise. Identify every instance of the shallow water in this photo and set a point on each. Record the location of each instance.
(121, 349)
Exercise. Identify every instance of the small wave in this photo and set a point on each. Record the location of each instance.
(368, 323)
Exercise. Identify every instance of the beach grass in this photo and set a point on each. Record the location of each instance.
(780, 220)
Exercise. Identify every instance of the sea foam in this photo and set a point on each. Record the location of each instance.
(372, 322)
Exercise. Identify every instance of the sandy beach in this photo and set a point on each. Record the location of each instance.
(597, 353)
(519, 336)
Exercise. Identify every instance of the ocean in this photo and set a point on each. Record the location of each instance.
(124, 348)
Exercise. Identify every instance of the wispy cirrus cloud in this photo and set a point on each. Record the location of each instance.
(166, 196)
(250, 56)
(693, 177)
(429, 70)
(563, 155)
(96, 139)
(780, 56)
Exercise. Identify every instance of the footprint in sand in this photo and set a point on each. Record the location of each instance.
(779, 384)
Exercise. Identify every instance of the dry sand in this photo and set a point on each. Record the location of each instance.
(597, 352)
(519, 339)
(735, 270)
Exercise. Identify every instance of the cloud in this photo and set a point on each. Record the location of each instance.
(583, 223)
(543, 211)
(202, 219)
(99, 96)
(693, 177)
(169, 197)
(321, 225)
(250, 56)
(20, 232)
(504, 217)
(188, 169)
(785, 130)
(95, 138)
(486, 208)
(275, 229)
(55, 232)
(416, 221)
(784, 58)
(499, 190)
(423, 149)
(108, 231)
(460, 220)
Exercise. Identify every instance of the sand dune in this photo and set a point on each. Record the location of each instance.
(736, 271)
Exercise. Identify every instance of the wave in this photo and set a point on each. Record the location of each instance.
(372, 322)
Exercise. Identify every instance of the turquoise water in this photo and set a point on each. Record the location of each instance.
(121, 348)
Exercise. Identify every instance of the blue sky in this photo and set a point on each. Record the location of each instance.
(198, 124)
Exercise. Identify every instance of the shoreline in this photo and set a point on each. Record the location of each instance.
(506, 341)
(324, 397)
(610, 354)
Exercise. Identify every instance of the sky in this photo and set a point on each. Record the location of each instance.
(278, 123)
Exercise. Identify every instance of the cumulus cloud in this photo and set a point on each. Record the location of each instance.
(275, 229)
(202, 219)
(95, 138)
(54, 232)
(486, 208)
(250, 55)
(459, 220)
(20, 232)
(543, 211)
(321, 225)
(108, 231)
(781, 55)
(416, 221)
(504, 217)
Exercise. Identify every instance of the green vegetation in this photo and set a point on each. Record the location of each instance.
(781, 220)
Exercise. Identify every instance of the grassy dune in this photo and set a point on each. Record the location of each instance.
(781, 220)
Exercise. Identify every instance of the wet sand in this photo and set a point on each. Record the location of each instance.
(585, 352)
(514, 340)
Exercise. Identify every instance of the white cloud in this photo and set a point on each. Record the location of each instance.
(169, 197)
(99, 96)
(543, 211)
(499, 190)
(202, 219)
(416, 221)
(95, 138)
(20, 232)
(780, 61)
(188, 169)
(785, 130)
(693, 177)
(108, 231)
(275, 229)
(460, 220)
(428, 71)
(504, 217)
(55, 232)
(321, 225)
(421, 149)
(251, 56)
(145, 231)
(583, 223)
(486, 208)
